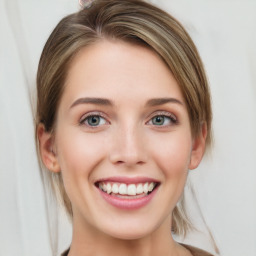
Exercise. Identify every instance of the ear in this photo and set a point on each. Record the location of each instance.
(46, 147)
(198, 148)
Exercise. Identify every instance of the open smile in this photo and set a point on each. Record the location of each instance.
(127, 194)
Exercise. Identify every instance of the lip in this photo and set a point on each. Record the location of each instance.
(131, 203)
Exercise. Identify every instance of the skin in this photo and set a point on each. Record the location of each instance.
(127, 142)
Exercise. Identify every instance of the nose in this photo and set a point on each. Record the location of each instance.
(128, 148)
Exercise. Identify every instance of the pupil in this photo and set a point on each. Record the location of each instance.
(159, 120)
(94, 120)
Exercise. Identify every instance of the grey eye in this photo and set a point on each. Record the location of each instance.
(159, 120)
(163, 120)
(94, 120)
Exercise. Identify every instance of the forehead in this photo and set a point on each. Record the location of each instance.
(114, 69)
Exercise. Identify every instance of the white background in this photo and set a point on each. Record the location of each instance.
(225, 183)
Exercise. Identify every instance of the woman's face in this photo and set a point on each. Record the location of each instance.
(123, 141)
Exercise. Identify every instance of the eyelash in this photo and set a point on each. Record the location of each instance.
(172, 118)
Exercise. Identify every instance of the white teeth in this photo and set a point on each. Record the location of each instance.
(145, 188)
(109, 189)
(115, 189)
(151, 186)
(123, 189)
(131, 190)
(139, 189)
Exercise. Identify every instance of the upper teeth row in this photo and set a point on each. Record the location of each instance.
(124, 189)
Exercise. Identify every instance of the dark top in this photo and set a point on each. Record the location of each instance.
(195, 251)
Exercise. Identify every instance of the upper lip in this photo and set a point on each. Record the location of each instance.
(127, 180)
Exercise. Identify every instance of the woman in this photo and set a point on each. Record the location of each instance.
(123, 113)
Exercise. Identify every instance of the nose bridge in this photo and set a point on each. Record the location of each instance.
(128, 144)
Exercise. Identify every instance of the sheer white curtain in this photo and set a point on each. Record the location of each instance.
(26, 228)
(225, 183)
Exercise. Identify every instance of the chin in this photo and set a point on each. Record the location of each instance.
(130, 230)
(130, 235)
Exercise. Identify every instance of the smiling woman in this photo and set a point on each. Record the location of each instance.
(123, 113)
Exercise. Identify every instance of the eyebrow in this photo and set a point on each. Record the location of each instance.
(107, 102)
(96, 101)
(162, 101)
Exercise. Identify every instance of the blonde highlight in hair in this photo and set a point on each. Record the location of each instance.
(136, 22)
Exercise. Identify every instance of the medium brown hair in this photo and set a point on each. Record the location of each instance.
(134, 21)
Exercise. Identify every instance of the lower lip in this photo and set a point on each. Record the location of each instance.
(128, 204)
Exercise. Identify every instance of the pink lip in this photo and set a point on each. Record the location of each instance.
(128, 204)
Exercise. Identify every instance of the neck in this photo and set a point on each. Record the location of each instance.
(87, 242)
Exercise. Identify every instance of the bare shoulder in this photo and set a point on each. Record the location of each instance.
(196, 251)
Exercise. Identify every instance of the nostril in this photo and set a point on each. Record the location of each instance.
(119, 163)
(127, 163)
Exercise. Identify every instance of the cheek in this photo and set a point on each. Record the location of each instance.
(173, 156)
(79, 153)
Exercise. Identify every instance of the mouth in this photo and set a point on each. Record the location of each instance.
(127, 195)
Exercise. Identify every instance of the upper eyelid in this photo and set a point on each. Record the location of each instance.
(162, 113)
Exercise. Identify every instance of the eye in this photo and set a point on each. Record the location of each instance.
(166, 119)
(93, 120)
(159, 120)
